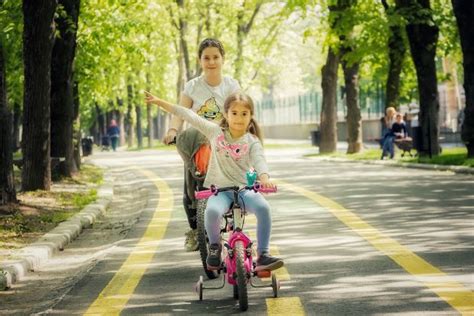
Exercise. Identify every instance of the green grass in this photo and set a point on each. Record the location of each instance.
(79, 201)
(90, 174)
(450, 156)
(56, 217)
(44, 210)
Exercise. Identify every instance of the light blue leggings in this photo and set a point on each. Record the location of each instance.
(252, 202)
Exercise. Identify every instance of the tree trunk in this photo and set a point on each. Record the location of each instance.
(77, 126)
(138, 111)
(156, 127)
(464, 12)
(129, 118)
(354, 118)
(62, 95)
(101, 124)
(423, 37)
(183, 29)
(38, 39)
(328, 126)
(149, 116)
(396, 54)
(122, 128)
(7, 183)
(150, 126)
(243, 29)
(16, 126)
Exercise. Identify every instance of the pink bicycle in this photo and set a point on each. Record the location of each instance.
(238, 265)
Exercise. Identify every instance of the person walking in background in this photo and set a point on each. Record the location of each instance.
(204, 95)
(113, 132)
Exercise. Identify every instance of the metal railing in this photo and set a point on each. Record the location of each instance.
(306, 108)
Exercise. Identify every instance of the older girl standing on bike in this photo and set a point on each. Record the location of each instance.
(205, 95)
(236, 147)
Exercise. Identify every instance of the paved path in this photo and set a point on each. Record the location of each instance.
(357, 239)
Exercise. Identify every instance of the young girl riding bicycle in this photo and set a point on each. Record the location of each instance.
(236, 147)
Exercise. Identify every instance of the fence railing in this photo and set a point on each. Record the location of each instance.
(306, 108)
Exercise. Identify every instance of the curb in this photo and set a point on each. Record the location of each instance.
(29, 258)
(455, 169)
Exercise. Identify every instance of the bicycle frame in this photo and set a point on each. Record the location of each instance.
(237, 235)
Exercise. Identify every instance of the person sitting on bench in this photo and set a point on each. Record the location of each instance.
(399, 128)
(399, 131)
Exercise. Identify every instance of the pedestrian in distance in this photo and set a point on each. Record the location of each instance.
(205, 95)
(387, 136)
(236, 146)
(113, 132)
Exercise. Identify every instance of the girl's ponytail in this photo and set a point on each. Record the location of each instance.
(254, 129)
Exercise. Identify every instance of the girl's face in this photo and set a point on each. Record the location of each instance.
(211, 60)
(238, 118)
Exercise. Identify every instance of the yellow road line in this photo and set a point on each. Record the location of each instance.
(285, 306)
(453, 292)
(282, 273)
(280, 305)
(118, 291)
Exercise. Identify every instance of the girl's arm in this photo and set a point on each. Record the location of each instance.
(176, 122)
(203, 125)
(257, 158)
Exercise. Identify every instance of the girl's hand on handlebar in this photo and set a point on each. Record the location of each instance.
(170, 137)
(265, 182)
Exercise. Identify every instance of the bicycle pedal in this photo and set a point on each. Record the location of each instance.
(264, 273)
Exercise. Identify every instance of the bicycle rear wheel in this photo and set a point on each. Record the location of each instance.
(241, 275)
(202, 238)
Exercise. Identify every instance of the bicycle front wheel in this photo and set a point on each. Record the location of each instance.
(241, 275)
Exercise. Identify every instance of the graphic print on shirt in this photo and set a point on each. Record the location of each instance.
(236, 151)
(210, 110)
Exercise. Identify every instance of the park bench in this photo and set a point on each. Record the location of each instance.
(404, 144)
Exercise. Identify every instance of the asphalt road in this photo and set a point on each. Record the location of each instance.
(356, 239)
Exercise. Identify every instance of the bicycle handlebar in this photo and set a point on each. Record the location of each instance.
(214, 190)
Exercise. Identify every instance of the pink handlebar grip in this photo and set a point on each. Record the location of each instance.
(258, 187)
(267, 190)
(200, 195)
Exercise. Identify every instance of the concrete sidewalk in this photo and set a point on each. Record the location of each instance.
(29, 258)
(33, 256)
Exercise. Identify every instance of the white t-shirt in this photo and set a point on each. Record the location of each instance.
(208, 101)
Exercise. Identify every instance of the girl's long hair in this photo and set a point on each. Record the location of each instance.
(253, 127)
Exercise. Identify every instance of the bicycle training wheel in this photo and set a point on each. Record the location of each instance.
(202, 238)
(241, 275)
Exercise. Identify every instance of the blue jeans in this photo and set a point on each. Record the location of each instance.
(252, 202)
(387, 146)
